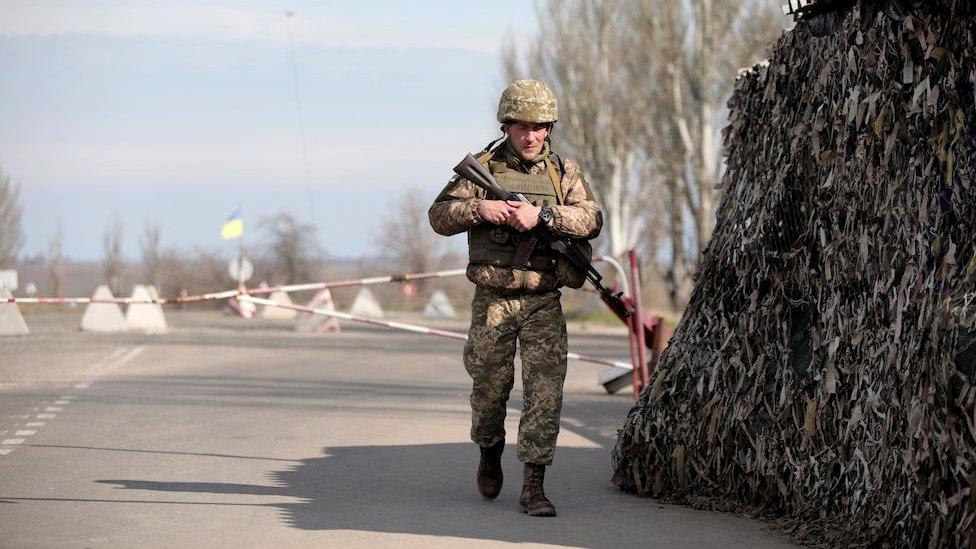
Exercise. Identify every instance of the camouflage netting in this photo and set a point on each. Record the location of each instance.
(825, 368)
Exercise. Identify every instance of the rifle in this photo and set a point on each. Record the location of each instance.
(473, 171)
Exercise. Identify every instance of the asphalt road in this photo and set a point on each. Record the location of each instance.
(233, 433)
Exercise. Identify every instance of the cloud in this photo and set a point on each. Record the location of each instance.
(230, 23)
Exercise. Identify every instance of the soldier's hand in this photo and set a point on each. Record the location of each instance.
(494, 211)
(524, 217)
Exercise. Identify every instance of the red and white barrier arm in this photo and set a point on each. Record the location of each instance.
(405, 277)
(124, 300)
(407, 327)
(203, 297)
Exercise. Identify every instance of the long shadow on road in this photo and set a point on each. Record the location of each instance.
(429, 490)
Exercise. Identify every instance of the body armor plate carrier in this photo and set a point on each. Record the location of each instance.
(495, 244)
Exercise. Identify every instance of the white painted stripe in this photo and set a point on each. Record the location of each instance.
(54, 409)
(12, 441)
(111, 365)
(116, 354)
(46, 416)
(25, 433)
(61, 402)
(375, 280)
(82, 385)
(36, 424)
(5, 451)
(409, 327)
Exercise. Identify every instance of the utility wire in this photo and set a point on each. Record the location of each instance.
(290, 16)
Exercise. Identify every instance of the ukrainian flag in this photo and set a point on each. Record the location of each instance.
(233, 227)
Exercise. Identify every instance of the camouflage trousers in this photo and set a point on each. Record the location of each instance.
(536, 322)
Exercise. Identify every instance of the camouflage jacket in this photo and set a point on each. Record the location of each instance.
(455, 211)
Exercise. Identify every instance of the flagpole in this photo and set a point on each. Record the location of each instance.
(240, 254)
(231, 229)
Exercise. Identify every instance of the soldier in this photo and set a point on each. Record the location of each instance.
(518, 304)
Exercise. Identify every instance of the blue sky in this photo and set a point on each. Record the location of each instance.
(178, 111)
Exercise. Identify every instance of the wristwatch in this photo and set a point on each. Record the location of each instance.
(545, 215)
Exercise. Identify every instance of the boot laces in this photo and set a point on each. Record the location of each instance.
(534, 477)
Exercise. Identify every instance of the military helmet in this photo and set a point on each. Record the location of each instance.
(528, 101)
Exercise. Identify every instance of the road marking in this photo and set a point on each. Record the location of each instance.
(116, 354)
(115, 361)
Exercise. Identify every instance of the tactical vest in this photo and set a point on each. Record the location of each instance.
(490, 244)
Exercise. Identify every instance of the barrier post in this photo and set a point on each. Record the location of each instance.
(635, 289)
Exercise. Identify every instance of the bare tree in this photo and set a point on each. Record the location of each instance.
(642, 87)
(113, 263)
(406, 236)
(688, 52)
(197, 271)
(691, 51)
(149, 246)
(56, 260)
(293, 248)
(11, 231)
(582, 51)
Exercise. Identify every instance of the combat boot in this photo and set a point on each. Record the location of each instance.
(534, 500)
(490, 470)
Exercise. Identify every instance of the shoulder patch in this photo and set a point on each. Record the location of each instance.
(573, 168)
(571, 164)
(448, 190)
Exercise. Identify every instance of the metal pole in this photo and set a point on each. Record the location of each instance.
(406, 327)
(638, 316)
(633, 326)
(621, 273)
(123, 300)
(240, 255)
(635, 381)
(405, 277)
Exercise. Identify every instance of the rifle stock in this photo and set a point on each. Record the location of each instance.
(472, 170)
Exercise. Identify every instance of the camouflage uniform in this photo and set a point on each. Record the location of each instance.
(512, 305)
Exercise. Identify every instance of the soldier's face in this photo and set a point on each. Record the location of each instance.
(527, 137)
